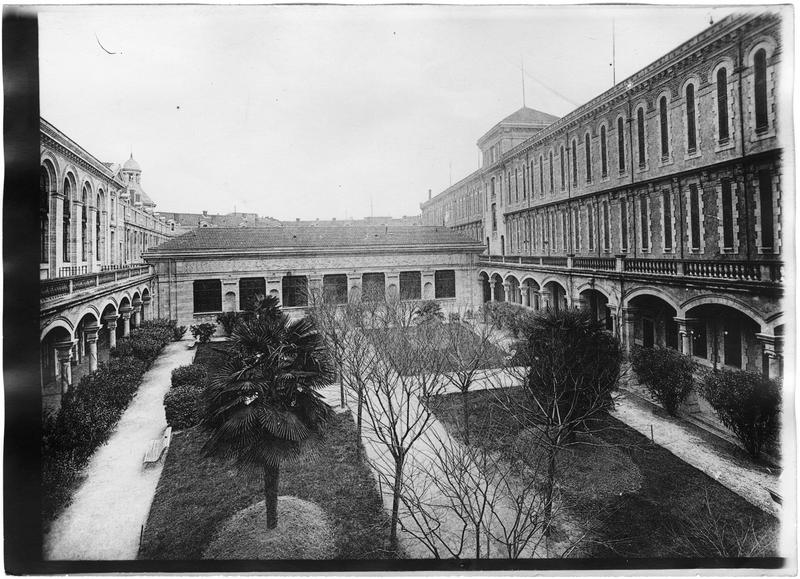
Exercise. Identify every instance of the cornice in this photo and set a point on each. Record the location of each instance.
(79, 158)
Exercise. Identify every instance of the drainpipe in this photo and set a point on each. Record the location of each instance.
(742, 153)
(633, 243)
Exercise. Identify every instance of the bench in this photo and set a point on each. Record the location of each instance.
(157, 447)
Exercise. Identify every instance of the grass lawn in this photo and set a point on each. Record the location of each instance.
(196, 495)
(659, 518)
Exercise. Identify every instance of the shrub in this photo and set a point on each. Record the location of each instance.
(203, 332)
(428, 311)
(191, 374)
(183, 406)
(177, 333)
(666, 373)
(228, 320)
(748, 403)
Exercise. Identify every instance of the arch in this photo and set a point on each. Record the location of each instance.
(766, 42)
(136, 295)
(110, 301)
(69, 171)
(484, 272)
(724, 62)
(691, 79)
(510, 277)
(589, 286)
(125, 300)
(652, 291)
(91, 310)
(59, 322)
(145, 292)
(717, 299)
(554, 280)
(48, 158)
(528, 277)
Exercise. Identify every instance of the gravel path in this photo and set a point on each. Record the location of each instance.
(107, 512)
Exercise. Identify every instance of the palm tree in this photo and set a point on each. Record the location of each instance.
(262, 404)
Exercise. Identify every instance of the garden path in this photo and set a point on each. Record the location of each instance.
(108, 510)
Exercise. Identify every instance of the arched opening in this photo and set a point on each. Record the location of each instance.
(597, 303)
(124, 304)
(136, 303)
(530, 294)
(46, 180)
(499, 290)
(486, 288)
(81, 363)
(105, 340)
(652, 322)
(555, 296)
(49, 358)
(723, 336)
(146, 304)
(514, 294)
(66, 234)
(229, 302)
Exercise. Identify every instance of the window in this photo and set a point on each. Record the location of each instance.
(640, 137)
(44, 213)
(373, 287)
(533, 179)
(334, 288)
(576, 229)
(760, 85)
(588, 152)
(66, 220)
(606, 228)
(493, 188)
(524, 180)
(691, 130)
(765, 197)
(722, 105)
(621, 144)
(563, 230)
(667, 222)
(516, 185)
(84, 240)
(207, 295)
(494, 217)
(295, 291)
(664, 124)
(249, 288)
(551, 171)
(603, 152)
(727, 214)
(97, 231)
(534, 245)
(445, 282)
(541, 176)
(623, 218)
(561, 158)
(590, 221)
(410, 285)
(694, 215)
(574, 163)
(644, 218)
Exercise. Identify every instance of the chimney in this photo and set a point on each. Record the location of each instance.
(297, 220)
(205, 213)
(429, 194)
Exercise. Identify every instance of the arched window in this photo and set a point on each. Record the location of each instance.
(640, 137)
(691, 130)
(541, 176)
(84, 209)
(621, 144)
(722, 105)
(67, 217)
(574, 163)
(551, 170)
(603, 152)
(561, 158)
(588, 147)
(44, 212)
(662, 115)
(760, 85)
(97, 229)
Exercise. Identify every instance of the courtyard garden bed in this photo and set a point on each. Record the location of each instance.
(640, 499)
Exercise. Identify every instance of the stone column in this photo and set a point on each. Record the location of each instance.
(629, 315)
(64, 349)
(773, 348)
(526, 296)
(111, 326)
(136, 317)
(126, 320)
(492, 294)
(90, 335)
(146, 300)
(507, 291)
(685, 332)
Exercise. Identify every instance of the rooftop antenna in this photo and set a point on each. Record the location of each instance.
(613, 52)
(522, 60)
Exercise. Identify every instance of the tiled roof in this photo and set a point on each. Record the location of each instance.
(527, 115)
(306, 237)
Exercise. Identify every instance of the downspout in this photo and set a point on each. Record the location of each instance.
(748, 248)
(633, 243)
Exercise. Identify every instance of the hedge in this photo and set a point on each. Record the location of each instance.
(183, 406)
(90, 410)
(666, 373)
(748, 403)
(191, 374)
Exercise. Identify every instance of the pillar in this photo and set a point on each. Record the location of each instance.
(629, 316)
(90, 334)
(64, 349)
(507, 290)
(126, 320)
(526, 296)
(685, 332)
(492, 294)
(146, 300)
(773, 348)
(136, 313)
(111, 326)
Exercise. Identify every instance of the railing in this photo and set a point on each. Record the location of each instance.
(54, 288)
(731, 270)
(71, 270)
(602, 263)
(652, 266)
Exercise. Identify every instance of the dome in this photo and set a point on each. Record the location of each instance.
(131, 165)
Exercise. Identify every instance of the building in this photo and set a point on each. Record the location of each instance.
(95, 222)
(213, 270)
(657, 204)
(187, 221)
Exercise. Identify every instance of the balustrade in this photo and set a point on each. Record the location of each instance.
(652, 266)
(63, 286)
(742, 270)
(603, 263)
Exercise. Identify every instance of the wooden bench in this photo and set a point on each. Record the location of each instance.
(157, 447)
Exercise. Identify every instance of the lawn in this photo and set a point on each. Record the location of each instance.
(196, 494)
(662, 505)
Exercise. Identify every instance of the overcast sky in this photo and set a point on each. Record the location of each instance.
(299, 111)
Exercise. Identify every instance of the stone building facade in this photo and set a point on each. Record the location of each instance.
(658, 204)
(213, 270)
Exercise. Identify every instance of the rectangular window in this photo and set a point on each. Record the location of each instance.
(561, 159)
(765, 195)
(295, 291)
(574, 164)
(516, 184)
(588, 154)
(524, 180)
(623, 218)
(644, 218)
(621, 144)
(445, 282)
(563, 231)
(207, 295)
(410, 285)
(550, 165)
(494, 217)
(590, 221)
(541, 175)
(334, 288)
(606, 227)
(249, 288)
(640, 137)
(694, 212)
(373, 287)
(691, 133)
(727, 214)
(667, 204)
(576, 229)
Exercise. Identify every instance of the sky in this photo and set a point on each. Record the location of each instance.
(325, 111)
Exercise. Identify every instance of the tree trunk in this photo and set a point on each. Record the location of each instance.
(271, 477)
(465, 407)
(551, 481)
(358, 419)
(398, 479)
